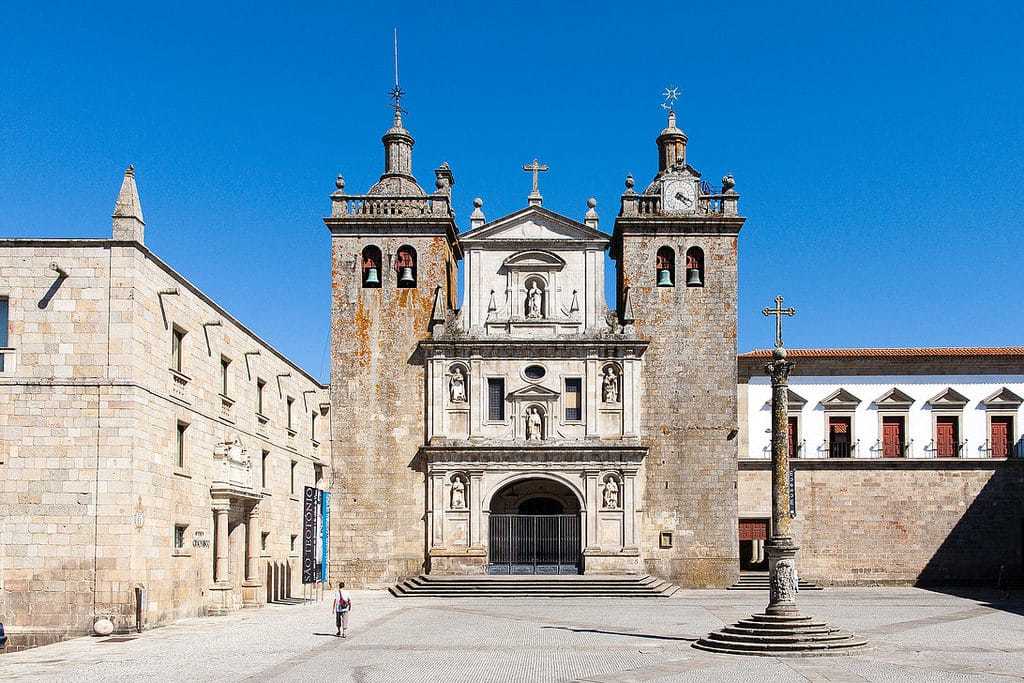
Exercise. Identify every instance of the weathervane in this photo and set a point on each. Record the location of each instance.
(671, 94)
(397, 92)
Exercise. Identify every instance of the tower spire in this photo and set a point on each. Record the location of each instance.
(397, 179)
(128, 223)
(672, 141)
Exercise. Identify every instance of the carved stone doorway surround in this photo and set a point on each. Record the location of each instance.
(605, 479)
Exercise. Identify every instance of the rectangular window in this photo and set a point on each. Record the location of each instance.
(573, 399)
(291, 478)
(289, 402)
(840, 439)
(225, 366)
(179, 450)
(177, 344)
(892, 436)
(496, 399)
(264, 540)
(312, 426)
(947, 436)
(294, 542)
(318, 475)
(179, 536)
(793, 437)
(1001, 441)
(264, 466)
(260, 384)
(4, 318)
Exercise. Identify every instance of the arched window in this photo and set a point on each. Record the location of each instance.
(405, 265)
(694, 267)
(665, 267)
(371, 266)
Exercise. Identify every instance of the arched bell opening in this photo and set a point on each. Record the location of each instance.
(665, 267)
(371, 258)
(534, 527)
(694, 267)
(405, 266)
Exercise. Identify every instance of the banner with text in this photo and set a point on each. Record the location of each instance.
(309, 533)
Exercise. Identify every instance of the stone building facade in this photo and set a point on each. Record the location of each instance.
(907, 464)
(148, 440)
(533, 429)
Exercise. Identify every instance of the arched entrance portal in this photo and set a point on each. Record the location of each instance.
(534, 528)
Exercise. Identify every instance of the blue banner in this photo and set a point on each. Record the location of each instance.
(325, 532)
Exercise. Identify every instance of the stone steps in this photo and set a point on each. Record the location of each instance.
(758, 581)
(533, 586)
(781, 636)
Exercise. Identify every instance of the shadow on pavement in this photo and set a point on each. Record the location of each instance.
(620, 633)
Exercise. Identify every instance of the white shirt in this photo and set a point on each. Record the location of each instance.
(343, 595)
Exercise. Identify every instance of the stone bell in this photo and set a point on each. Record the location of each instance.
(693, 277)
(405, 278)
(372, 276)
(665, 278)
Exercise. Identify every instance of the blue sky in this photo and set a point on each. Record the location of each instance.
(877, 146)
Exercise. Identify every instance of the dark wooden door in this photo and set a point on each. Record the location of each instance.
(1002, 436)
(947, 436)
(839, 437)
(892, 436)
(791, 434)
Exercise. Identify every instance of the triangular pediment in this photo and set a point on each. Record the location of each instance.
(948, 397)
(1004, 398)
(534, 392)
(534, 224)
(840, 398)
(794, 401)
(894, 398)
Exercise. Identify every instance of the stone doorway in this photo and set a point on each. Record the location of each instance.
(534, 527)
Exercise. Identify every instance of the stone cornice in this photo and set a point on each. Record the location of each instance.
(579, 454)
(568, 346)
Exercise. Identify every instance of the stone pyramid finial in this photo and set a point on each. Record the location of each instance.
(128, 223)
(439, 313)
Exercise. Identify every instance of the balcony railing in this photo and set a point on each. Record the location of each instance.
(708, 204)
(841, 449)
(373, 208)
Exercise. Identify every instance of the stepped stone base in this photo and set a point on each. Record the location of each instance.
(781, 636)
(590, 586)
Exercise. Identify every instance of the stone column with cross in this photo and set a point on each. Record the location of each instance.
(781, 629)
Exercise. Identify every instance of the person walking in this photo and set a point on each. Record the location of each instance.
(342, 606)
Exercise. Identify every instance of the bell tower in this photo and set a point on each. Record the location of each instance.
(394, 252)
(675, 244)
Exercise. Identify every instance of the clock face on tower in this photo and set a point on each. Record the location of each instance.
(679, 195)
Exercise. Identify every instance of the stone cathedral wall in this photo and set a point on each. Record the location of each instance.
(689, 413)
(378, 384)
(929, 523)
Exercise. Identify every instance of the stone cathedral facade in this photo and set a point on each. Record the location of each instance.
(534, 429)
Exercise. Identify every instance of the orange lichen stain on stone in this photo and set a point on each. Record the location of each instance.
(361, 323)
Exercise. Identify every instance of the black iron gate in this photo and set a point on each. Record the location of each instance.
(534, 544)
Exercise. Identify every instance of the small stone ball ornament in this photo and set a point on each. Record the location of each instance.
(630, 182)
(103, 627)
(591, 203)
(478, 202)
(779, 353)
(339, 182)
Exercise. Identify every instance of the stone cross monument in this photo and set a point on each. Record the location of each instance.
(781, 630)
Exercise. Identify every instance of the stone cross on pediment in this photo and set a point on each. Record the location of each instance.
(535, 198)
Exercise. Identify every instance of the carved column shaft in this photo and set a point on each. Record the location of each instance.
(222, 558)
(782, 573)
(252, 536)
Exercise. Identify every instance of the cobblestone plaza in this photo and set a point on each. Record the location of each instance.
(915, 635)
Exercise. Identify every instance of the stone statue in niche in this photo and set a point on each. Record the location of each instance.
(458, 493)
(457, 386)
(610, 385)
(534, 424)
(534, 301)
(611, 493)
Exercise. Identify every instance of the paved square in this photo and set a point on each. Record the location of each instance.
(916, 635)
